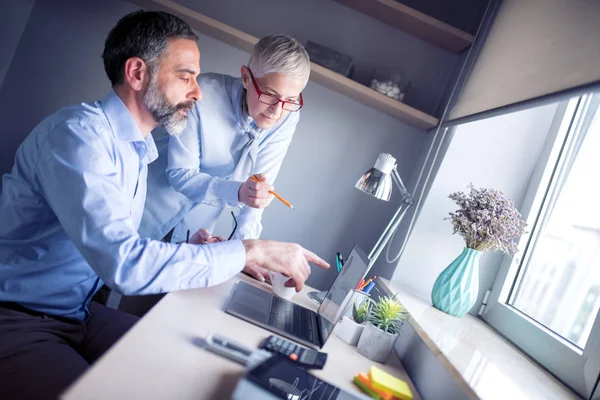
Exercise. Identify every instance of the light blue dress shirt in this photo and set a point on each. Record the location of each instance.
(70, 211)
(207, 163)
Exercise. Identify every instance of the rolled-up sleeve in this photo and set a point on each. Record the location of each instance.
(82, 182)
(183, 170)
(270, 158)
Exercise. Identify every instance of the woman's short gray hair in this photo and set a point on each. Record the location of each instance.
(280, 54)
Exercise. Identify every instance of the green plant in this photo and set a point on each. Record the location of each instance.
(361, 313)
(388, 314)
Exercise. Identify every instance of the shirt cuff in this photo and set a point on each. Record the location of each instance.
(229, 192)
(227, 260)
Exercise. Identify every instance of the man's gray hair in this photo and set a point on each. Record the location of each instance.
(280, 54)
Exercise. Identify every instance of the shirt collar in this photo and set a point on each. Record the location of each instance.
(151, 150)
(120, 119)
(125, 127)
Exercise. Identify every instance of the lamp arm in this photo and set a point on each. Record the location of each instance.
(405, 195)
(394, 222)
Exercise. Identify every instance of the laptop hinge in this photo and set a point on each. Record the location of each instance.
(319, 330)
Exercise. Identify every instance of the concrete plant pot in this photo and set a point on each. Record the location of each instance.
(376, 344)
(349, 331)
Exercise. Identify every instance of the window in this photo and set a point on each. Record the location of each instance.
(546, 298)
(559, 277)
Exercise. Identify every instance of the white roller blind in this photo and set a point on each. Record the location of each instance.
(535, 47)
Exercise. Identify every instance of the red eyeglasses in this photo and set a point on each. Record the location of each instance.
(272, 100)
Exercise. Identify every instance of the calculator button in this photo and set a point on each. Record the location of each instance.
(309, 357)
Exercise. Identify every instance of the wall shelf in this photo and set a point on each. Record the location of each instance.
(414, 22)
(319, 74)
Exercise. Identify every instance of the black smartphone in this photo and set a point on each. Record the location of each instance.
(285, 379)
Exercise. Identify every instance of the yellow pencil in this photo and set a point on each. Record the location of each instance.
(284, 201)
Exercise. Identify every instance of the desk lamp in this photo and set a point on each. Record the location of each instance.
(377, 182)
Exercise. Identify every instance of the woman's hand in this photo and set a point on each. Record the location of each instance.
(204, 237)
(256, 194)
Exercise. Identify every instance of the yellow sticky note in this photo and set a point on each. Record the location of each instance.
(384, 381)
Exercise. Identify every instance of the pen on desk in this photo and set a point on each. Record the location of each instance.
(284, 201)
(187, 238)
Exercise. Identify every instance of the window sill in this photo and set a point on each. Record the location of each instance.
(483, 364)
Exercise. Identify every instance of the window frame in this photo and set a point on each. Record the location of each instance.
(576, 368)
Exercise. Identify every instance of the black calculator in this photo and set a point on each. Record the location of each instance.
(305, 358)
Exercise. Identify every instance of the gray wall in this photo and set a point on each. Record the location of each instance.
(370, 42)
(12, 24)
(500, 153)
(58, 63)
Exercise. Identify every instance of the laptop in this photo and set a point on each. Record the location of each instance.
(291, 320)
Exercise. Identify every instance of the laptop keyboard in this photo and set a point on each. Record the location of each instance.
(291, 318)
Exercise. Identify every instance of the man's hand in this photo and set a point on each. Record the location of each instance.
(257, 272)
(289, 259)
(203, 237)
(256, 194)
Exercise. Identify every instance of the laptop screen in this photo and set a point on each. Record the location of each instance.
(341, 291)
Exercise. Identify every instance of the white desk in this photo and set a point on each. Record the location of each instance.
(160, 357)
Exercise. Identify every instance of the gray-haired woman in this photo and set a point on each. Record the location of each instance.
(242, 127)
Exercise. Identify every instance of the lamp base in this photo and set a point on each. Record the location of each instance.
(317, 297)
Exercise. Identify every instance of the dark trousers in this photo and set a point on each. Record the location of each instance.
(41, 355)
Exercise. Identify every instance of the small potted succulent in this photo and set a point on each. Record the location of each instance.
(381, 331)
(352, 327)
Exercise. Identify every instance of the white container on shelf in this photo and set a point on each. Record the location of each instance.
(389, 83)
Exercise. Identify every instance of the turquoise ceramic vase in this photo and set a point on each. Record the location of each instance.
(455, 290)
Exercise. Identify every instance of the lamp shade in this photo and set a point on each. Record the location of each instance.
(377, 181)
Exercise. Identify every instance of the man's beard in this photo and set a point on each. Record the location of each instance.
(163, 112)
